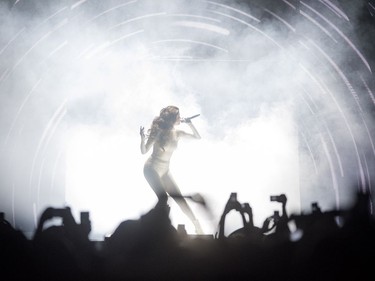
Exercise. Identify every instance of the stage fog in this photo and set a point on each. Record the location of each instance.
(284, 90)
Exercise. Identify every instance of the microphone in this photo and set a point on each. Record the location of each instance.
(184, 120)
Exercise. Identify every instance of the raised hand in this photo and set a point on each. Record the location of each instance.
(142, 132)
(185, 120)
(188, 119)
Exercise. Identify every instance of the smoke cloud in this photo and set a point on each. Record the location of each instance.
(284, 92)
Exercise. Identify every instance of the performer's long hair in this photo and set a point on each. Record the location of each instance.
(163, 124)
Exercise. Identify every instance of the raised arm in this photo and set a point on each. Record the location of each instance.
(145, 145)
(194, 135)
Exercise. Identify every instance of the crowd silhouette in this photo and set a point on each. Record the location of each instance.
(331, 245)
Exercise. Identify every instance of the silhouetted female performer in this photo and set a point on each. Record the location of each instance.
(163, 137)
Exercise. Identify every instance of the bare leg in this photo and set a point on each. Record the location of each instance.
(172, 189)
(155, 182)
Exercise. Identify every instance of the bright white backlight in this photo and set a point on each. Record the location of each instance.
(257, 159)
